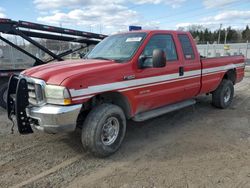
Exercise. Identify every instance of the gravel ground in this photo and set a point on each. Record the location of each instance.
(198, 146)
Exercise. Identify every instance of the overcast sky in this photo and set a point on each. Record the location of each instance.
(108, 16)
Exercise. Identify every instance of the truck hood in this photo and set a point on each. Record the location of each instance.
(57, 72)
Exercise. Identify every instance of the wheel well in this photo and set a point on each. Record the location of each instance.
(114, 98)
(108, 97)
(230, 75)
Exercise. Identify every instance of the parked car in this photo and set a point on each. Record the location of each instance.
(137, 75)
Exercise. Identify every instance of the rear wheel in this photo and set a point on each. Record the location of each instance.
(3, 95)
(104, 130)
(222, 97)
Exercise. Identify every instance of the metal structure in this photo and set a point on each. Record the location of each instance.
(28, 31)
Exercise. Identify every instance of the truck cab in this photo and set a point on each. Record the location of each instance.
(137, 75)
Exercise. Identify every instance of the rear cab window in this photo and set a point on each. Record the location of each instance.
(186, 46)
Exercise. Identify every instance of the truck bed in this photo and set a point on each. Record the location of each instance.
(213, 70)
(217, 61)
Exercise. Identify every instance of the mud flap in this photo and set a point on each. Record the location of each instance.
(17, 101)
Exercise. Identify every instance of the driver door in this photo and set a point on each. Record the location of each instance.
(162, 86)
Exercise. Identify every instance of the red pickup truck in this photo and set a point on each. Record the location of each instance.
(137, 75)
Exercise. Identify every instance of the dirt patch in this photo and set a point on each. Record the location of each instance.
(198, 146)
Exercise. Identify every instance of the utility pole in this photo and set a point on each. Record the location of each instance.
(219, 34)
(226, 32)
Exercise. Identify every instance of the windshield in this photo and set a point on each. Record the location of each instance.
(120, 47)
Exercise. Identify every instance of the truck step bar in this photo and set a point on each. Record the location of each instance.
(163, 110)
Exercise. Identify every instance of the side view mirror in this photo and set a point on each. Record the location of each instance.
(141, 62)
(159, 58)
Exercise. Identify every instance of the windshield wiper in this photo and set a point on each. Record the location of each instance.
(104, 58)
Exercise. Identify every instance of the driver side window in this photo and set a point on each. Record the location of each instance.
(164, 42)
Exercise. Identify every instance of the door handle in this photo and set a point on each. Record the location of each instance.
(181, 71)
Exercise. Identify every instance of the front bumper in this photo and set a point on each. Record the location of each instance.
(53, 118)
(48, 118)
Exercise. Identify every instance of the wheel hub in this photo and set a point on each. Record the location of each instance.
(227, 95)
(110, 131)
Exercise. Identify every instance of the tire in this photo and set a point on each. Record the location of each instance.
(222, 97)
(3, 95)
(94, 137)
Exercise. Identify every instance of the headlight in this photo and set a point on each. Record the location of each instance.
(57, 95)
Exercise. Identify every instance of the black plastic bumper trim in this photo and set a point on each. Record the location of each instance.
(17, 101)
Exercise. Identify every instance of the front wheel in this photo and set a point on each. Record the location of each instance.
(222, 97)
(104, 130)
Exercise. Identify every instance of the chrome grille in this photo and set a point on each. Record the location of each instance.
(36, 93)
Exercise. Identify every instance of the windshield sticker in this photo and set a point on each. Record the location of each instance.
(134, 39)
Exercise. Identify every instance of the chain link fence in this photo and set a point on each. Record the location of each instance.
(217, 50)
